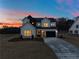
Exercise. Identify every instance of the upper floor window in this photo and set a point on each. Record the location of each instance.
(45, 24)
(53, 24)
(38, 24)
(77, 26)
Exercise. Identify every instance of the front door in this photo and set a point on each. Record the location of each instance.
(38, 33)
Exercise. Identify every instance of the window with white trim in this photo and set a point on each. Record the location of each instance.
(45, 24)
(28, 33)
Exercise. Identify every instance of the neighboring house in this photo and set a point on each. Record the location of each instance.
(75, 27)
(38, 27)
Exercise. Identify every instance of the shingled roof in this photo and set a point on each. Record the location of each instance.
(32, 19)
(38, 19)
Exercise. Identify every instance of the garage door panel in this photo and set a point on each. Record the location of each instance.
(50, 34)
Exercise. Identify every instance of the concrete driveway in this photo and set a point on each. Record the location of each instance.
(62, 49)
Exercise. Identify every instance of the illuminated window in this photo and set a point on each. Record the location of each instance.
(28, 33)
(32, 22)
(38, 32)
(45, 24)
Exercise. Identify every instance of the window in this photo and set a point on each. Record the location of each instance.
(45, 24)
(38, 24)
(28, 32)
(77, 26)
(76, 32)
(33, 23)
(53, 24)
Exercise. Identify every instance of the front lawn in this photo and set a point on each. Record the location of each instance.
(25, 49)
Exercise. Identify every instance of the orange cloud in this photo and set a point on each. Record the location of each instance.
(11, 18)
(14, 16)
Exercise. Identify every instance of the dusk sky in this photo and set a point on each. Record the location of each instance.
(14, 10)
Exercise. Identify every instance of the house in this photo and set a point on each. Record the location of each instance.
(75, 27)
(38, 27)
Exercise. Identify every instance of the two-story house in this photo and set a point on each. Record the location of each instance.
(75, 27)
(38, 27)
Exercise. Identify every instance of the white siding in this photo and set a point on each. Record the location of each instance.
(45, 21)
(74, 28)
(28, 27)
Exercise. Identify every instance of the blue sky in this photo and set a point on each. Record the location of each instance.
(54, 8)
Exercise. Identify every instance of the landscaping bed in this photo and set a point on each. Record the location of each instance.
(25, 39)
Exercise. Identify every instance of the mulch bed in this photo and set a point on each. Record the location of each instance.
(26, 39)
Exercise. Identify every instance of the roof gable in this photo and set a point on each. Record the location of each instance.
(28, 26)
(73, 27)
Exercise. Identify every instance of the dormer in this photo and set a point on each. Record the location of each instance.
(45, 22)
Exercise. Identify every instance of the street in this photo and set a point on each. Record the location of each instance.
(62, 49)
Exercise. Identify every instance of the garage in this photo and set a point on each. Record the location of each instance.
(50, 34)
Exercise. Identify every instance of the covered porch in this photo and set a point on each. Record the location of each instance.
(41, 33)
